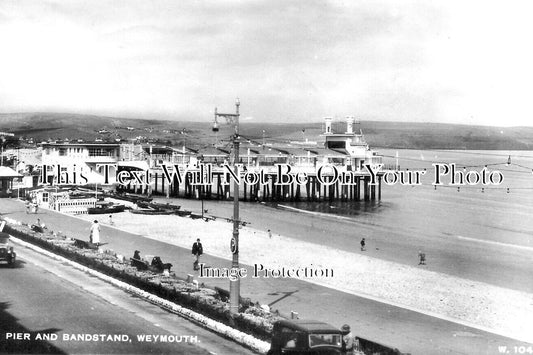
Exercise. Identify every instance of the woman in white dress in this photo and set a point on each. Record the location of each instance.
(95, 233)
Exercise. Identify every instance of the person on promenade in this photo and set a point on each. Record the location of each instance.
(39, 227)
(34, 204)
(111, 220)
(95, 233)
(28, 206)
(421, 258)
(363, 243)
(347, 340)
(197, 250)
(40, 224)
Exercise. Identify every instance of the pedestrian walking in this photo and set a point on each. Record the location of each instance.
(269, 234)
(363, 244)
(421, 258)
(197, 250)
(95, 233)
(111, 220)
(34, 204)
(28, 207)
(347, 340)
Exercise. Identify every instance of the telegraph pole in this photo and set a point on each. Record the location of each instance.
(234, 286)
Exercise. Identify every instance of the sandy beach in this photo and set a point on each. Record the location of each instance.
(488, 307)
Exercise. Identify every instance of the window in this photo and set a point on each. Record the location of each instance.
(101, 152)
(324, 339)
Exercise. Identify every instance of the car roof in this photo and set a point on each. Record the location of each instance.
(307, 325)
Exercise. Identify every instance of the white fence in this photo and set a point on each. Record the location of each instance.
(76, 206)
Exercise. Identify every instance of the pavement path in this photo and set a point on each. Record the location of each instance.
(43, 296)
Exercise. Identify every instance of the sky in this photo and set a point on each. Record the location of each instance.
(446, 61)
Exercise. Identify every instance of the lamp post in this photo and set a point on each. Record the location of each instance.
(234, 286)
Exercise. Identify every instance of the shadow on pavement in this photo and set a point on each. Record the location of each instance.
(16, 265)
(10, 329)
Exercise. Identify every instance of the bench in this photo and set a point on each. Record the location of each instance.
(141, 265)
(82, 244)
(37, 228)
(224, 295)
(158, 265)
(155, 266)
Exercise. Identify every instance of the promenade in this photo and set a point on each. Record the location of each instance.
(407, 330)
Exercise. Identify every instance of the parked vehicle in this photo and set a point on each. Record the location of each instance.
(299, 336)
(7, 254)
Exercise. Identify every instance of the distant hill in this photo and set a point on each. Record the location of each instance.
(44, 126)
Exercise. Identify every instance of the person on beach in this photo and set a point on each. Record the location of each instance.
(197, 250)
(363, 243)
(421, 258)
(95, 233)
(269, 234)
(347, 340)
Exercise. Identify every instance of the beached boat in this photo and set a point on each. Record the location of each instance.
(151, 211)
(106, 207)
(131, 198)
(164, 206)
(155, 205)
(182, 213)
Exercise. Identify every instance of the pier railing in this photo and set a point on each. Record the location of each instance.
(358, 185)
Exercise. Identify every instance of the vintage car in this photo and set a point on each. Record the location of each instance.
(6, 251)
(298, 336)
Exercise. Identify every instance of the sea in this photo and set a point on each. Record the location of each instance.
(479, 231)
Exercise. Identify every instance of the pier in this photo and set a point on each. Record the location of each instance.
(312, 190)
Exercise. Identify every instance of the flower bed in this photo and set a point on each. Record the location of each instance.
(252, 319)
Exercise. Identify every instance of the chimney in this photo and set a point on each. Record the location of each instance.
(349, 124)
(328, 125)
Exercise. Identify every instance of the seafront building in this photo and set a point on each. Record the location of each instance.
(77, 161)
(343, 146)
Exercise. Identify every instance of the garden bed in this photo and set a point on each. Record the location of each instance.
(252, 319)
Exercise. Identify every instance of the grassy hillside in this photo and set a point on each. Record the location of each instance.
(44, 126)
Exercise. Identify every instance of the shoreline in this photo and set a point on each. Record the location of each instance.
(491, 308)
